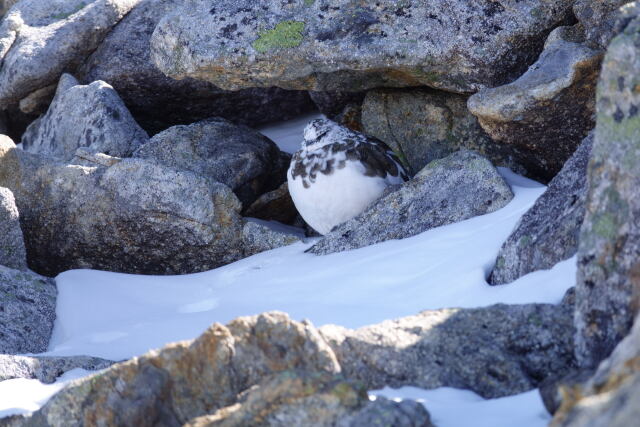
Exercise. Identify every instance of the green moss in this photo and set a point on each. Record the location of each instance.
(524, 241)
(76, 8)
(286, 35)
(605, 226)
(309, 2)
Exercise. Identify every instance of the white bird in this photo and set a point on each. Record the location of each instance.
(338, 173)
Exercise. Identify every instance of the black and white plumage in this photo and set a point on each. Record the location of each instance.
(338, 173)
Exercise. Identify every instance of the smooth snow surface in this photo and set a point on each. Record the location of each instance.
(21, 396)
(288, 135)
(450, 407)
(117, 316)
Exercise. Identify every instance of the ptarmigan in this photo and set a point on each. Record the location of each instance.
(338, 173)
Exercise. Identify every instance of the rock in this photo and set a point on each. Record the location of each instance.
(90, 116)
(341, 107)
(27, 311)
(610, 397)
(551, 388)
(608, 280)
(46, 369)
(5, 5)
(598, 19)
(259, 236)
(237, 156)
(494, 351)
(422, 125)
(548, 233)
(334, 45)
(549, 109)
(38, 101)
(133, 216)
(458, 187)
(12, 251)
(189, 379)
(275, 205)
(158, 102)
(41, 40)
(295, 398)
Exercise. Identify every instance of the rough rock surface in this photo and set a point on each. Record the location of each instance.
(189, 379)
(133, 216)
(46, 368)
(549, 109)
(598, 19)
(158, 102)
(259, 236)
(12, 251)
(422, 125)
(27, 311)
(458, 187)
(295, 398)
(235, 155)
(548, 233)
(5, 5)
(275, 205)
(494, 351)
(39, 40)
(90, 116)
(608, 283)
(341, 107)
(343, 45)
(609, 398)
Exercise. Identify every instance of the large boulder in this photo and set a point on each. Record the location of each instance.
(549, 109)
(340, 45)
(608, 282)
(127, 215)
(158, 102)
(422, 125)
(598, 18)
(494, 351)
(458, 187)
(12, 250)
(548, 233)
(189, 379)
(90, 116)
(46, 369)
(39, 40)
(298, 398)
(27, 311)
(235, 155)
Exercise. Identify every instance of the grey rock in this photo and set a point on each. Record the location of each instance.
(173, 385)
(549, 109)
(275, 205)
(90, 116)
(458, 187)
(548, 233)
(39, 40)
(422, 125)
(608, 265)
(38, 101)
(341, 107)
(235, 155)
(46, 368)
(27, 311)
(551, 388)
(133, 216)
(299, 398)
(328, 45)
(5, 5)
(158, 102)
(494, 351)
(259, 236)
(12, 250)
(598, 19)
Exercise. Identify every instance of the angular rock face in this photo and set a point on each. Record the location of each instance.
(12, 251)
(549, 109)
(39, 40)
(189, 379)
(548, 233)
(296, 398)
(158, 102)
(275, 205)
(458, 187)
(610, 397)
(494, 351)
(5, 5)
(598, 19)
(239, 157)
(91, 116)
(46, 368)
(422, 125)
(259, 236)
(342, 45)
(608, 283)
(27, 311)
(133, 216)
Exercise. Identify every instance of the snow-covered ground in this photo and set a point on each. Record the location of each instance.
(117, 316)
